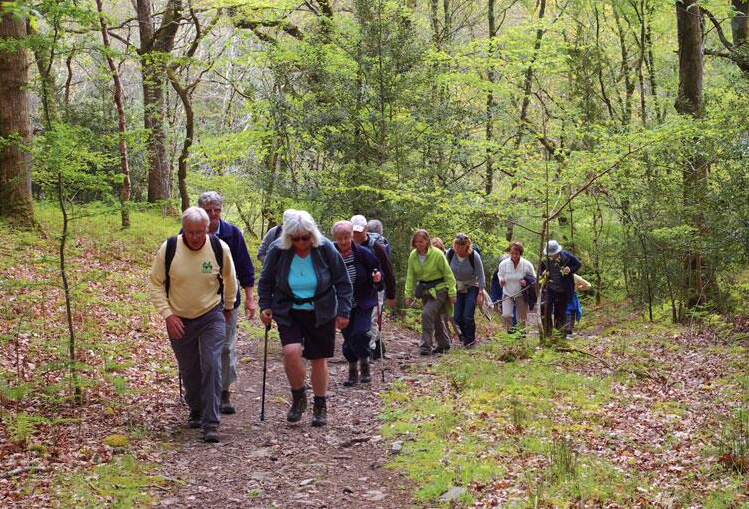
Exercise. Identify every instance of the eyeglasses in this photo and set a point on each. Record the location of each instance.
(303, 238)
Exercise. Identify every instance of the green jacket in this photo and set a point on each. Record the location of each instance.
(435, 267)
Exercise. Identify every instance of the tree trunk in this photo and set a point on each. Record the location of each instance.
(740, 22)
(15, 127)
(121, 125)
(689, 103)
(490, 103)
(184, 95)
(650, 61)
(155, 45)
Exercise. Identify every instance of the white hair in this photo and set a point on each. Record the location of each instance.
(287, 214)
(374, 226)
(195, 215)
(210, 198)
(300, 222)
(342, 227)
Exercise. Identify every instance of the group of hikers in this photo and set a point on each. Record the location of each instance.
(311, 286)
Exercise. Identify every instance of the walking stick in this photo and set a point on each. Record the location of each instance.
(382, 346)
(265, 370)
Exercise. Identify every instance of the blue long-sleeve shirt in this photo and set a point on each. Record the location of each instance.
(242, 261)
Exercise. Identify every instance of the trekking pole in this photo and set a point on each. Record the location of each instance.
(265, 370)
(382, 346)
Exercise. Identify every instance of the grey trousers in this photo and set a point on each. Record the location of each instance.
(229, 352)
(432, 325)
(374, 332)
(198, 355)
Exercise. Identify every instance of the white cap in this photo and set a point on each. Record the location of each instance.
(359, 222)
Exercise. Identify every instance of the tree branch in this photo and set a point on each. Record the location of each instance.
(592, 180)
(718, 29)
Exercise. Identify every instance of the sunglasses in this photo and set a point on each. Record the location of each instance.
(303, 238)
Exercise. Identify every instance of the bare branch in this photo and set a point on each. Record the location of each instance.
(718, 29)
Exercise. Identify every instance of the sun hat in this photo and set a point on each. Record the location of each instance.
(552, 248)
(359, 222)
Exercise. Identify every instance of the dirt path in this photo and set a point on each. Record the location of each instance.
(275, 463)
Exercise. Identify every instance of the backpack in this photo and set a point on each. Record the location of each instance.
(218, 252)
(472, 258)
(376, 238)
(279, 229)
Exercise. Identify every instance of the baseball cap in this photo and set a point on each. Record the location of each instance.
(359, 222)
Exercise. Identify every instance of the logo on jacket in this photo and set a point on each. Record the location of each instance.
(207, 267)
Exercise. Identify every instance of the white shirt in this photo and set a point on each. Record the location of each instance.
(512, 275)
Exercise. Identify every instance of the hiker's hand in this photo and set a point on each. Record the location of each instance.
(390, 303)
(174, 327)
(227, 315)
(523, 283)
(408, 302)
(341, 322)
(266, 315)
(249, 306)
(566, 270)
(502, 282)
(376, 276)
(453, 299)
(480, 298)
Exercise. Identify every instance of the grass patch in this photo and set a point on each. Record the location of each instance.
(122, 483)
(488, 413)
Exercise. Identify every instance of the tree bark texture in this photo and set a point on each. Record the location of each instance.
(15, 127)
(740, 23)
(155, 46)
(689, 103)
(490, 103)
(689, 29)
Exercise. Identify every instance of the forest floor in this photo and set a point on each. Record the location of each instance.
(274, 463)
(627, 413)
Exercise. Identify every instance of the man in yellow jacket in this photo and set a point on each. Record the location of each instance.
(186, 284)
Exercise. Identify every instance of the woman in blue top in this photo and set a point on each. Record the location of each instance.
(305, 288)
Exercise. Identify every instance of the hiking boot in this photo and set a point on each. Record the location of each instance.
(364, 367)
(319, 413)
(195, 419)
(353, 375)
(211, 436)
(470, 344)
(441, 349)
(226, 407)
(298, 405)
(425, 352)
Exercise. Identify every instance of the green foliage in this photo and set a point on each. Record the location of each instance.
(65, 155)
(733, 443)
(21, 426)
(122, 483)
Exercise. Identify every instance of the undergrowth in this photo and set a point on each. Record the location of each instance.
(514, 421)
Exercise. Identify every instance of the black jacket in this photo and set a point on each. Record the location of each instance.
(333, 285)
(566, 259)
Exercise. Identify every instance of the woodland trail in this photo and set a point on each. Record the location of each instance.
(276, 463)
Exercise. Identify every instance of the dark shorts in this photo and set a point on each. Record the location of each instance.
(317, 342)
